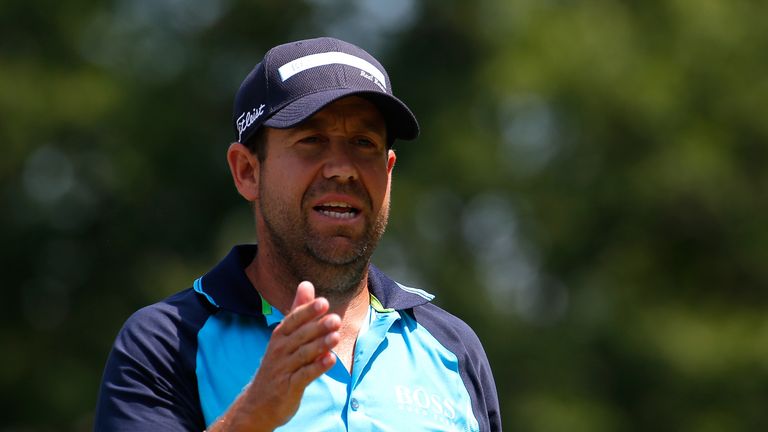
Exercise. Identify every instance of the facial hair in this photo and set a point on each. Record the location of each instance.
(308, 254)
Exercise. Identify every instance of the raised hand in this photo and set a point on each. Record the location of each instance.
(298, 352)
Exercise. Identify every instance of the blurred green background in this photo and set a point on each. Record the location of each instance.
(589, 191)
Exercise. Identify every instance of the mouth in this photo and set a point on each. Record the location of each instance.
(337, 210)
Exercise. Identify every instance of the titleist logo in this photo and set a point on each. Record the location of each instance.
(246, 119)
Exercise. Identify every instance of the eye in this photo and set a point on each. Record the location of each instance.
(365, 143)
(312, 139)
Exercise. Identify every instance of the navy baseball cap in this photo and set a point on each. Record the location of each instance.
(297, 79)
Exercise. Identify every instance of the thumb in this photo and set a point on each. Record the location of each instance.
(305, 293)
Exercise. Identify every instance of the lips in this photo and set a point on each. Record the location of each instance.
(337, 210)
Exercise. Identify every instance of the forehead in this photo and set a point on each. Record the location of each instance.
(353, 109)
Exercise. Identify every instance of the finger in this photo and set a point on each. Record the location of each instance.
(312, 371)
(305, 293)
(305, 344)
(312, 330)
(297, 356)
(300, 312)
(302, 315)
(298, 315)
(309, 353)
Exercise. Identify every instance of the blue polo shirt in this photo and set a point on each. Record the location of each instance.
(179, 364)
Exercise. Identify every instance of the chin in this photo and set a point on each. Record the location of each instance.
(338, 255)
(339, 284)
(337, 271)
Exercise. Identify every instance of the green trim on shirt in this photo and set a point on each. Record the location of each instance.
(377, 306)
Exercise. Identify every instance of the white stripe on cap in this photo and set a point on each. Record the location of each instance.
(334, 57)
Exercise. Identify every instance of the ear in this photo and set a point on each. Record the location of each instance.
(391, 158)
(244, 167)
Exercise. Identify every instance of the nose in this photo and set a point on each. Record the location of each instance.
(339, 164)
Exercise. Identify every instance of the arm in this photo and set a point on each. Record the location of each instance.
(298, 352)
(149, 380)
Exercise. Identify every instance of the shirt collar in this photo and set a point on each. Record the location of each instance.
(226, 286)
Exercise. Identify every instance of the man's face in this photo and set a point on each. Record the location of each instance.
(324, 194)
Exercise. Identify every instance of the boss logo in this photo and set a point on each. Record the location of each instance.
(419, 400)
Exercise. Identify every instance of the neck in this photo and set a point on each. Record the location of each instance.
(277, 285)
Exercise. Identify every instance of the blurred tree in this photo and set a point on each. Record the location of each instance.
(588, 191)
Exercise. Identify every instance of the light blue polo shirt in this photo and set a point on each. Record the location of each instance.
(181, 363)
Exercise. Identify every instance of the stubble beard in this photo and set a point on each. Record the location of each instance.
(308, 255)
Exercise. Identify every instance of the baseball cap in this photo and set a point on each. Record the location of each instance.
(297, 79)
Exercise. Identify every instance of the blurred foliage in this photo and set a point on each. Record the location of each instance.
(589, 190)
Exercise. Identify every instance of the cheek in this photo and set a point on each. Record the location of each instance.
(285, 181)
(378, 187)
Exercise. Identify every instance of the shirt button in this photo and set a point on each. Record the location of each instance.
(354, 404)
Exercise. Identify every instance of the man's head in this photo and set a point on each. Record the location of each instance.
(320, 178)
(297, 79)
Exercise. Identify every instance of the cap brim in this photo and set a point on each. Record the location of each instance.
(401, 122)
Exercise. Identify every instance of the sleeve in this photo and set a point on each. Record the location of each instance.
(474, 368)
(149, 381)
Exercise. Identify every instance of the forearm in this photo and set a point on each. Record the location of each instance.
(245, 415)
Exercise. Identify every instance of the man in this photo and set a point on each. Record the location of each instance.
(302, 333)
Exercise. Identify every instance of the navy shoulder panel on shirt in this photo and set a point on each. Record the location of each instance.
(475, 371)
(149, 381)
